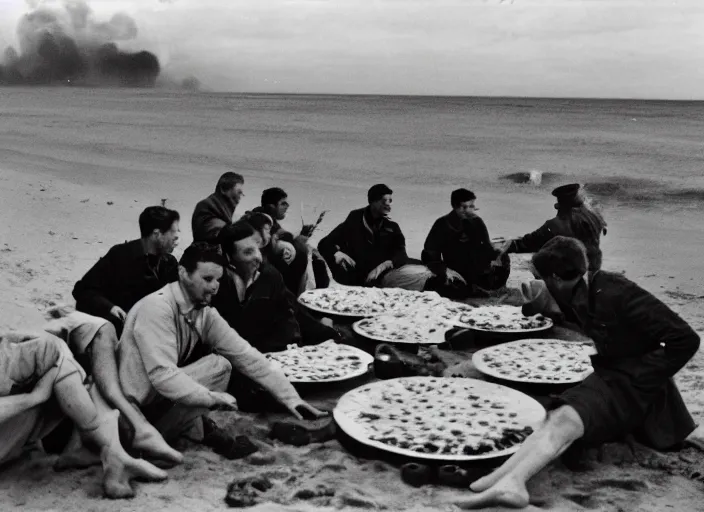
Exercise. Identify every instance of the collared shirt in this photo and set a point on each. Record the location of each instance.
(240, 284)
(122, 277)
(162, 331)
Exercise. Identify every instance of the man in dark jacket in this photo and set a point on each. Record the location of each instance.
(369, 249)
(215, 211)
(132, 270)
(459, 252)
(641, 344)
(252, 297)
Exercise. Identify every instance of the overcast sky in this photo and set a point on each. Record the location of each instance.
(558, 48)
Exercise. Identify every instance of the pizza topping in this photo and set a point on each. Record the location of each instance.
(500, 319)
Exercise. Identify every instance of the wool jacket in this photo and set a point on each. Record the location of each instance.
(122, 277)
(461, 245)
(265, 317)
(211, 215)
(367, 244)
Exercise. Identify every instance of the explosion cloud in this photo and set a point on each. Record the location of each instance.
(62, 43)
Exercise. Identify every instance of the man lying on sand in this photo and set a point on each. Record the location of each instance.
(459, 252)
(575, 218)
(215, 211)
(641, 344)
(40, 384)
(369, 249)
(176, 353)
(131, 270)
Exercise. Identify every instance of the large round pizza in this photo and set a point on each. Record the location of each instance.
(359, 301)
(538, 361)
(326, 362)
(419, 326)
(439, 418)
(501, 319)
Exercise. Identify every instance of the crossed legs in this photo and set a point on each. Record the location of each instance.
(506, 486)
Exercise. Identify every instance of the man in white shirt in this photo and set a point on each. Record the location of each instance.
(167, 331)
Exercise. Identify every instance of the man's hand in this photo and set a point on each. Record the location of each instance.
(223, 401)
(304, 411)
(344, 261)
(118, 313)
(44, 388)
(453, 276)
(375, 273)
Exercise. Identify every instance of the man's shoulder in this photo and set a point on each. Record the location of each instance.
(160, 301)
(127, 247)
(205, 202)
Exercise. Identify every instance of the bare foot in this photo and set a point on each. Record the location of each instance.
(507, 492)
(152, 443)
(119, 469)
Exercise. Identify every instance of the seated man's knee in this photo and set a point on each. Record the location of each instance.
(48, 351)
(107, 333)
(222, 368)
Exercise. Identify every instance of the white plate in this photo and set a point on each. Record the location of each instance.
(365, 359)
(584, 349)
(435, 338)
(457, 323)
(529, 412)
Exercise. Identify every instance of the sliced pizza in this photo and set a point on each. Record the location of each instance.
(506, 319)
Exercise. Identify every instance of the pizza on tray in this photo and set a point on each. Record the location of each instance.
(501, 319)
(326, 362)
(439, 418)
(420, 326)
(537, 361)
(359, 301)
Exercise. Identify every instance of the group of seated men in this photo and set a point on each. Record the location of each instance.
(159, 357)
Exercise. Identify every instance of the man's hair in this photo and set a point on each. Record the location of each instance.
(461, 195)
(156, 217)
(273, 196)
(258, 220)
(562, 256)
(228, 180)
(378, 191)
(234, 233)
(201, 252)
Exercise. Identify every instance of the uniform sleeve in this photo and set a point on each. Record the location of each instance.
(90, 291)
(245, 358)
(399, 257)
(432, 250)
(155, 334)
(487, 253)
(333, 242)
(677, 340)
(532, 242)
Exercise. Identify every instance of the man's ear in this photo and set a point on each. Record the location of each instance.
(182, 272)
(155, 233)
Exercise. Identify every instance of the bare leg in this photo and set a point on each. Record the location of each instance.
(102, 432)
(507, 485)
(104, 368)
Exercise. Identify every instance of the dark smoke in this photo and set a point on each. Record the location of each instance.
(65, 45)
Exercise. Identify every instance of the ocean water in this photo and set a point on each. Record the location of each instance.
(431, 141)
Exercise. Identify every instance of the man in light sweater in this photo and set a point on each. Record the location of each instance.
(176, 352)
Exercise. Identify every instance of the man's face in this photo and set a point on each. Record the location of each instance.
(236, 193)
(203, 283)
(382, 207)
(466, 210)
(246, 257)
(281, 208)
(168, 240)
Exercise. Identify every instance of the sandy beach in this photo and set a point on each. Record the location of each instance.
(77, 166)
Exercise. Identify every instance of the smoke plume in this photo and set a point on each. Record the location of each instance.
(63, 43)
